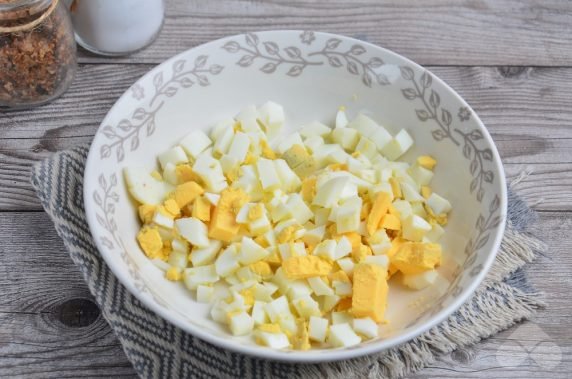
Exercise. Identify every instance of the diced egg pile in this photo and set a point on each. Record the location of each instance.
(292, 244)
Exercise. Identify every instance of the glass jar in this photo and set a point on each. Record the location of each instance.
(37, 52)
(116, 27)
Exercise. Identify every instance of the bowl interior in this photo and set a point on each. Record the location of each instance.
(311, 75)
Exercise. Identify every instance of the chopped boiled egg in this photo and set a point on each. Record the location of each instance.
(292, 244)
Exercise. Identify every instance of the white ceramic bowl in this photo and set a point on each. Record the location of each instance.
(311, 74)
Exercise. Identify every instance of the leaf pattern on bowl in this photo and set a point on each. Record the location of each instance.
(434, 111)
(292, 57)
(128, 130)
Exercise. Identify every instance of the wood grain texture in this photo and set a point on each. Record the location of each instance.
(437, 32)
(35, 343)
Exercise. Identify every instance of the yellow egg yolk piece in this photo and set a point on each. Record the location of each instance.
(309, 189)
(187, 192)
(146, 212)
(223, 224)
(426, 161)
(379, 208)
(395, 188)
(185, 174)
(417, 257)
(262, 269)
(390, 222)
(305, 267)
(202, 209)
(150, 241)
(369, 291)
(172, 207)
(361, 253)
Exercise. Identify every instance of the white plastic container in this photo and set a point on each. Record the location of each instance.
(116, 27)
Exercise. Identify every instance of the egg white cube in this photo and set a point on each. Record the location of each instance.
(272, 117)
(398, 145)
(341, 119)
(347, 265)
(338, 155)
(326, 249)
(240, 324)
(341, 317)
(163, 220)
(380, 260)
(422, 280)
(289, 141)
(290, 181)
(419, 210)
(210, 171)
(178, 259)
(245, 275)
(194, 276)
(328, 302)
(298, 208)
(414, 228)
(348, 216)
(315, 235)
(195, 143)
(380, 248)
(258, 313)
(366, 327)
(220, 126)
(322, 154)
(328, 194)
(273, 340)
(251, 252)
(263, 293)
(421, 175)
(170, 174)
(213, 198)
(318, 329)
(268, 176)
(239, 147)
(438, 204)
(223, 140)
(205, 255)
(231, 279)
(314, 129)
(145, 188)
(367, 147)
(175, 155)
(380, 137)
(260, 226)
(343, 248)
(342, 335)
(410, 193)
(277, 308)
(218, 313)
(205, 294)
(228, 163)
(227, 262)
(248, 119)
(342, 288)
(306, 306)
(321, 216)
(404, 209)
(193, 230)
(319, 287)
(346, 138)
(180, 245)
(298, 288)
(364, 125)
(314, 143)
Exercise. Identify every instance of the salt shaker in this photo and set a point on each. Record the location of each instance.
(116, 27)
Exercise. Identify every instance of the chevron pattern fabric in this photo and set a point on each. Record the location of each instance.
(158, 349)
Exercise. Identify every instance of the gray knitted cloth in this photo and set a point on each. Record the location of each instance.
(158, 349)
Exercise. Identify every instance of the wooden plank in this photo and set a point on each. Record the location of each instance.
(35, 341)
(438, 32)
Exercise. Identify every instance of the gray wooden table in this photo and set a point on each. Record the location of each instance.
(511, 60)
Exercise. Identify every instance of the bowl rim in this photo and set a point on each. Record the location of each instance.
(307, 356)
